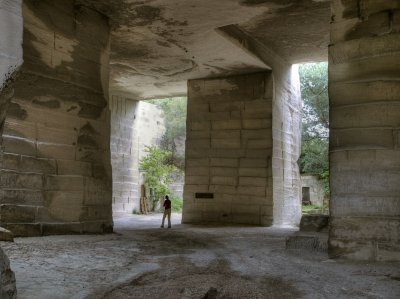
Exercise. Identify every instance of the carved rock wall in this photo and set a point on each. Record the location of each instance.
(229, 150)
(10, 38)
(55, 158)
(287, 141)
(286, 126)
(8, 288)
(364, 91)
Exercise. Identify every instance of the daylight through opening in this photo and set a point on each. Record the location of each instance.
(314, 158)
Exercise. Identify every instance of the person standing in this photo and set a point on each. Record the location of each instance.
(167, 211)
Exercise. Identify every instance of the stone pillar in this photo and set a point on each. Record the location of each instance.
(286, 133)
(124, 154)
(55, 159)
(229, 150)
(286, 126)
(364, 77)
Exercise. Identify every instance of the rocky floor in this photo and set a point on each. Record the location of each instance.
(141, 260)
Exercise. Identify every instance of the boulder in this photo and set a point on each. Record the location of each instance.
(6, 235)
(8, 289)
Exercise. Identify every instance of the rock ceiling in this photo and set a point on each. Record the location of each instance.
(157, 45)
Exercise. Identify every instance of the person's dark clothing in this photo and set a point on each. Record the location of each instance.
(167, 212)
(167, 204)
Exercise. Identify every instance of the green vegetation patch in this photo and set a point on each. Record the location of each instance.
(177, 204)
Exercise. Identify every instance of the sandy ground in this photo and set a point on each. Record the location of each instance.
(141, 260)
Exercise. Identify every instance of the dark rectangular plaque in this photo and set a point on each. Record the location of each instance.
(204, 195)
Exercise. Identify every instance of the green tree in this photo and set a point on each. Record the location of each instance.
(314, 157)
(157, 171)
(175, 134)
(314, 93)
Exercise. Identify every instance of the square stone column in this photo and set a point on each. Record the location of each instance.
(55, 157)
(229, 150)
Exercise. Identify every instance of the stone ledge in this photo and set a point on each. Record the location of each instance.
(6, 235)
(314, 223)
(66, 228)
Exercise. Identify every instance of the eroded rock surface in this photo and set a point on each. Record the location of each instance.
(144, 261)
(55, 127)
(8, 288)
(158, 45)
(6, 235)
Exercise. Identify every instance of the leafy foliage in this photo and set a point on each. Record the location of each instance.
(310, 208)
(314, 158)
(177, 204)
(157, 170)
(175, 121)
(314, 92)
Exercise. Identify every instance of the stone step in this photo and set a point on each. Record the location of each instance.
(310, 242)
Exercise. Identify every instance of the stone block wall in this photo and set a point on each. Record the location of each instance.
(134, 125)
(364, 76)
(316, 188)
(124, 158)
(55, 158)
(286, 126)
(229, 150)
(177, 184)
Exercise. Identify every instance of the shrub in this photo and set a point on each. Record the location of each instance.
(177, 204)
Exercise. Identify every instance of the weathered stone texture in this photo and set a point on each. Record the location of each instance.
(134, 125)
(8, 288)
(316, 189)
(225, 157)
(364, 156)
(10, 39)
(6, 235)
(55, 159)
(285, 123)
(314, 223)
(287, 142)
(123, 159)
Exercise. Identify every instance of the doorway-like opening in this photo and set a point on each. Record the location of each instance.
(305, 196)
(147, 153)
(162, 162)
(314, 158)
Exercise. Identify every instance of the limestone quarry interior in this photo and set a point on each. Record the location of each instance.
(74, 75)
